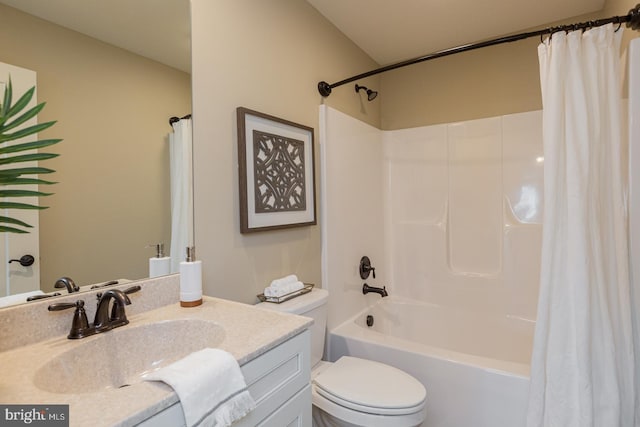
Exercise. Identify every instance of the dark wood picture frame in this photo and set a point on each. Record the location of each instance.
(276, 172)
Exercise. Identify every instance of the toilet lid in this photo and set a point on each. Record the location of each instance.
(370, 387)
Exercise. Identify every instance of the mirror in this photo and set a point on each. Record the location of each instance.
(112, 197)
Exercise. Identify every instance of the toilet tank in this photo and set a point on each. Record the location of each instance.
(312, 304)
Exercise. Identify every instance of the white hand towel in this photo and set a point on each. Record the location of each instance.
(284, 281)
(210, 386)
(283, 289)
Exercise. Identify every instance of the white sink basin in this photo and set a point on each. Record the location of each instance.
(119, 357)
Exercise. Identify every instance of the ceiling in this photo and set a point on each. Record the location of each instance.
(388, 31)
(393, 31)
(156, 29)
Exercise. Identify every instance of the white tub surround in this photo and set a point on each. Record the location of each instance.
(450, 216)
(351, 210)
(260, 341)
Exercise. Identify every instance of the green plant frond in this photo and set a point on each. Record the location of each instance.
(15, 176)
(15, 205)
(20, 120)
(27, 181)
(6, 103)
(23, 193)
(8, 220)
(24, 171)
(35, 145)
(5, 229)
(26, 131)
(9, 179)
(27, 158)
(21, 103)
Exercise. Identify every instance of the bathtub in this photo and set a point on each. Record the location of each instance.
(475, 367)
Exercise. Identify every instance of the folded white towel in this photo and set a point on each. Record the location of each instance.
(283, 289)
(284, 281)
(210, 386)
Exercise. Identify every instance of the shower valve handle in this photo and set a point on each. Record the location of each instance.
(366, 268)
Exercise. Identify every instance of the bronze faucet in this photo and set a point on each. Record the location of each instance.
(382, 291)
(66, 282)
(103, 321)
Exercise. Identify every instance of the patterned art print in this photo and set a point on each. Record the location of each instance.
(279, 173)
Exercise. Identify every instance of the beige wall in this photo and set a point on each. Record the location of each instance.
(112, 109)
(267, 56)
(487, 82)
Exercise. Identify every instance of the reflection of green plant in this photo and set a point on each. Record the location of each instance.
(11, 116)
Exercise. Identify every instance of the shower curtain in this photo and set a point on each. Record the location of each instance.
(180, 148)
(582, 368)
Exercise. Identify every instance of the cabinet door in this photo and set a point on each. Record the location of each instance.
(295, 413)
(276, 377)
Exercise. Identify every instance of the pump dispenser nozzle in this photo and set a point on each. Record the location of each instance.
(159, 249)
(191, 253)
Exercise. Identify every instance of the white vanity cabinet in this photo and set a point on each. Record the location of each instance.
(278, 380)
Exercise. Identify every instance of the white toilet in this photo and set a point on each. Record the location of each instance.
(352, 391)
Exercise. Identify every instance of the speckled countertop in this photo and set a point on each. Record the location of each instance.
(245, 331)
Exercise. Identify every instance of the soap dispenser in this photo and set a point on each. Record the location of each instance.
(190, 280)
(159, 265)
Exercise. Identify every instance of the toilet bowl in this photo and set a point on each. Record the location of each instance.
(353, 391)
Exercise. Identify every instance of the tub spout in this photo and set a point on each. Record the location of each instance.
(382, 291)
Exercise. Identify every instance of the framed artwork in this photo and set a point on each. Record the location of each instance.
(276, 172)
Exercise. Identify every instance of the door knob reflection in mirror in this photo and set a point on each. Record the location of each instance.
(25, 260)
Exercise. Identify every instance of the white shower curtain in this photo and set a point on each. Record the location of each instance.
(180, 147)
(582, 368)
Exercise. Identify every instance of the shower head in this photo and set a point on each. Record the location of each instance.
(371, 94)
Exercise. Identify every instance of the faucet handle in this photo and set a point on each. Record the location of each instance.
(58, 306)
(105, 284)
(127, 291)
(80, 325)
(132, 289)
(366, 268)
(37, 297)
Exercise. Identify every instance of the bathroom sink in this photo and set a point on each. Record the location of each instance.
(119, 357)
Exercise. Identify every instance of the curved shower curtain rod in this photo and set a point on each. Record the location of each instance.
(632, 20)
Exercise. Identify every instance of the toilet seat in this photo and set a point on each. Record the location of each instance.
(370, 387)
